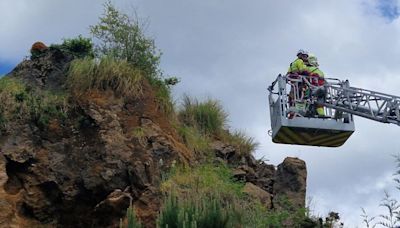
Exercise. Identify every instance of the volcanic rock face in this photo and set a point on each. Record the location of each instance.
(84, 171)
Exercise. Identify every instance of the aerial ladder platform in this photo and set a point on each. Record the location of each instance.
(294, 98)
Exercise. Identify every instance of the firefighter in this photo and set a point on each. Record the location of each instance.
(316, 77)
(298, 66)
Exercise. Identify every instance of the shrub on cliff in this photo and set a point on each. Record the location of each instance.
(122, 37)
(79, 47)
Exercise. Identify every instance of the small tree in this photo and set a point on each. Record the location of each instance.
(122, 37)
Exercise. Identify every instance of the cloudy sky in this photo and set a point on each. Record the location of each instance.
(231, 50)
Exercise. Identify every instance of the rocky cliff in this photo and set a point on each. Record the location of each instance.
(83, 169)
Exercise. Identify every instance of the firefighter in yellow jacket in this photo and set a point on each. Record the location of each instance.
(316, 78)
(299, 66)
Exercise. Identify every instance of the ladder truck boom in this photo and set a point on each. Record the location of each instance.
(369, 104)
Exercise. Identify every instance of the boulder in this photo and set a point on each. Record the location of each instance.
(258, 193)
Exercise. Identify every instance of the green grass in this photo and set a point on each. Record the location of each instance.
(201, 122)
(205, 179)
(243, 144)
(195, 141)
(199, 197)
(22, 103)
(192, 213)
(208, 194)
(107, 73)
(208, 116)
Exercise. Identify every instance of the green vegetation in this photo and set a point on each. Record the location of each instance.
(131, 220)
(20, 101)
(206, 179)
(202, 122)
(195, 141)
(80, 46)
(243, 144)
(122, 37)
(200, 197)
(106, 73)
(208, 194)
(208, 116)
(191, 213)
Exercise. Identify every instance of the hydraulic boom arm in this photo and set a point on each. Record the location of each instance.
(361, 102)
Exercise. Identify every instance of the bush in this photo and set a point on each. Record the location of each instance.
(107, 73)
(207, 116)
(80, 47)
(122, 37)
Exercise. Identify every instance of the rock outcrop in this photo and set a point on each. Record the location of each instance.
(274, 187)
(111, 151)
(84, 171)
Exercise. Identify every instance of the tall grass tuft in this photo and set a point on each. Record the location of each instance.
(195, 141)
(244, 144)
(106, 73)
(208, 116)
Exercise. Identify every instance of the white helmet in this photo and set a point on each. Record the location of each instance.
(313, 61)
(302, 52)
